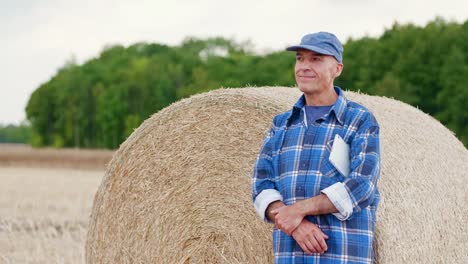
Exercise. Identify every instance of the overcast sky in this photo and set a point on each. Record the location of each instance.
(38, 36)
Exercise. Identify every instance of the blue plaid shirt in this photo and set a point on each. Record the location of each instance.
(294, 163)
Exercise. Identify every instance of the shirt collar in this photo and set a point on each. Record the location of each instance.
(338, 108)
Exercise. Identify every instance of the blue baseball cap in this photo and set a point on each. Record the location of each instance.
(321, 42)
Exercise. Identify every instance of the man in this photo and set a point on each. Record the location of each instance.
(321, 213)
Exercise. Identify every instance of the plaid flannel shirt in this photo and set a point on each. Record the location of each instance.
(293, 165)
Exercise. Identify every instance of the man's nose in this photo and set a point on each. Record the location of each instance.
(303, 66)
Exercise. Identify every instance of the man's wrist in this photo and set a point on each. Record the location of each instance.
(264, 199)
(301, 208)
(272, 206)
(305, 207)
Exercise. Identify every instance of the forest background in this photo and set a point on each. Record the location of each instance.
(99, 103)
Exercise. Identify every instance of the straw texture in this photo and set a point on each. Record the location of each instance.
(178, 189)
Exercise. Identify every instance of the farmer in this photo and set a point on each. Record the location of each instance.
(324, 211)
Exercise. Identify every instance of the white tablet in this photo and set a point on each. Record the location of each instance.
(339, 155)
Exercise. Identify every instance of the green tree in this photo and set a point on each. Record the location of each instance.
(15, 133)
(452, 99)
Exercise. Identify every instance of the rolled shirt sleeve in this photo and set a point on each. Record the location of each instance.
(265, 198)
(340, 198)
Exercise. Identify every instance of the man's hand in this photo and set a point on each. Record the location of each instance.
(271, 207)
(310, 238)
(287, 218)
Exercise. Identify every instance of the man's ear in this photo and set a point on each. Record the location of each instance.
(339, 69)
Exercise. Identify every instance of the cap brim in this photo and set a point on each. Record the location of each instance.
(309, 47)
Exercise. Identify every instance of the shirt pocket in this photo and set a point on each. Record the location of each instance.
(327, 169)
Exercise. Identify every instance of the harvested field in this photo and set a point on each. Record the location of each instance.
(44, 212)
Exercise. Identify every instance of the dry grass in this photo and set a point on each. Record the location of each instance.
(177, 191)
(44, 212)
(17, 155)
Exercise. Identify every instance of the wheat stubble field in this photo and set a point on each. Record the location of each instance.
(45, 202)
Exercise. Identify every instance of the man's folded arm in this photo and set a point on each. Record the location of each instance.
(264, 190)
(358, 189)
(342, 199)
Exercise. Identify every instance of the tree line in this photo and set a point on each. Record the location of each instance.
(99, 103)
(15, 133)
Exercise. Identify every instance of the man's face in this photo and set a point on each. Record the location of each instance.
(315, 72)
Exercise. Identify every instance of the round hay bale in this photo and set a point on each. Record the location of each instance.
(178, 189)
